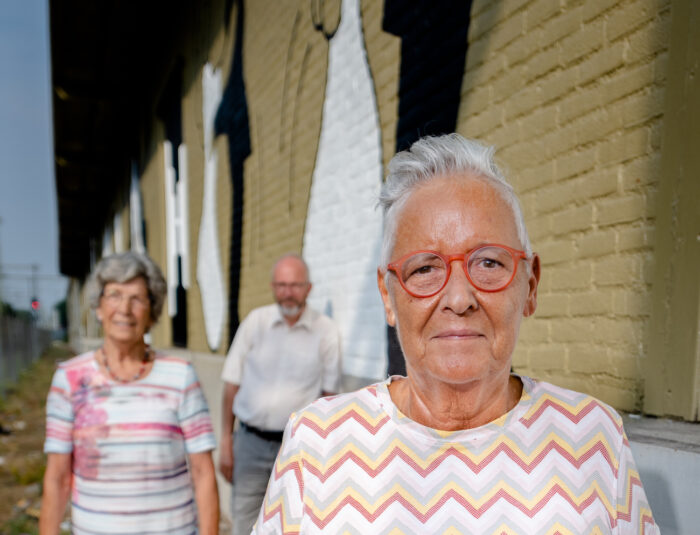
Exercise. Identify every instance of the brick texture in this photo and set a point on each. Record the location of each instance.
(571, 93)
(585, 97)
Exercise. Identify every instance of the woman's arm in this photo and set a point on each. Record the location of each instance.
(206, 494)
(57, 487)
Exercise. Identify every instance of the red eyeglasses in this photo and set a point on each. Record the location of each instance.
(489, 268)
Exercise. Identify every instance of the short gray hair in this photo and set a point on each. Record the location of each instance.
(434, 157)
(123, 267)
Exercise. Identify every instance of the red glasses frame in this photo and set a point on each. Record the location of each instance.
(463, 257)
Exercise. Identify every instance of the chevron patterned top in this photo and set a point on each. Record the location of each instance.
(558, 463)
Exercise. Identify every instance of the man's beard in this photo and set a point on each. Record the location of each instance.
(291, 311)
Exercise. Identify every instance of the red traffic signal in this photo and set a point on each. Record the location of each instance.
(35, 304)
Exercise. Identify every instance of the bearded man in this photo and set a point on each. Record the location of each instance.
(283, 356)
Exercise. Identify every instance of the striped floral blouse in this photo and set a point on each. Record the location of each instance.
(130, 443)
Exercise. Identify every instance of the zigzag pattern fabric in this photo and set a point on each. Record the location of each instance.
(558, 463)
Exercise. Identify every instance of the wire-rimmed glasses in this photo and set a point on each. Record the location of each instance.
(489, 268)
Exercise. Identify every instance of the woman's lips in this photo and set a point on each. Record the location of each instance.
(458, 334)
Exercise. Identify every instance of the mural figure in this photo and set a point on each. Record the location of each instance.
(209, 272)
(136, 222)
(341, 242)
(118, 233)
(107, 248)
(433, 56)
(176, 212)
(232, 120)
(176, 232)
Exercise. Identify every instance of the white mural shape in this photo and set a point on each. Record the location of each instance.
(136, 212)
(118, 233)
(209, 272)
(343, 229)
(176, 222)
(107, 248)
(113, 237)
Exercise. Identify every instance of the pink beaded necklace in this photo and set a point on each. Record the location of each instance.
(136, 376)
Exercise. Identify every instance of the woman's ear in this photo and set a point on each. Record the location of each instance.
(386, 299)
(533, 281)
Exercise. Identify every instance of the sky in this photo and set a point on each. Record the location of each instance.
(28, 212)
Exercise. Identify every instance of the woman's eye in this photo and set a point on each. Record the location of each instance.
(490, 263)
(420, 270)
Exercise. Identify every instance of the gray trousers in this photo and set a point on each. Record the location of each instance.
(254, 459)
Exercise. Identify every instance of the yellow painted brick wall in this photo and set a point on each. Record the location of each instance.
(193, 138)
(572, 95)
(210, 40)
(284, 68)
(220, 55)
(384, 57)
(153, 192)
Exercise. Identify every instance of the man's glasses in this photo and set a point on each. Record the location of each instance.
(296, 286)
(489, 268)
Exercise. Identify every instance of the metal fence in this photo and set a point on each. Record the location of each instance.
(21, 343)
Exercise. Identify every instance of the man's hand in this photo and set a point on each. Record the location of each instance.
(226, 458)
(227, 421)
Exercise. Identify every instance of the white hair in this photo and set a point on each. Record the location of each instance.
(437, 157)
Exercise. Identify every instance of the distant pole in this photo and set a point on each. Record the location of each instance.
(1, 282)
(35, 269)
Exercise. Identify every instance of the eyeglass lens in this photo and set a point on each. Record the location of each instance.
(115, 299)
(289, 285)
(489, 268)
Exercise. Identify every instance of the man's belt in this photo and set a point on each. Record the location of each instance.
(272, 436)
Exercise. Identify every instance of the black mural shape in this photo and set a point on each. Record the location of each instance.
(170, 111)
(232, 120)
(433, 56)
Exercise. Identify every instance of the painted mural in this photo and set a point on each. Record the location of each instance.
(342, 231)
(176, 225)
(343, 228)
(433, 56)
(209, 272)
(174, 150)
(136, 222)
(232, 120)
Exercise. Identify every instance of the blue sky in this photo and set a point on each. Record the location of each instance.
(29, 229)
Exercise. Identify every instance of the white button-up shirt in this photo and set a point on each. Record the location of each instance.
(281, 369)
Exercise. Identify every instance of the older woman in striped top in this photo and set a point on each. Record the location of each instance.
(128, 433)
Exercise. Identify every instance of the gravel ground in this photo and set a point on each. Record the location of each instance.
(22, 462)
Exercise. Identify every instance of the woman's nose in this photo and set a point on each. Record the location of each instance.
(459, 295)
(124, 304)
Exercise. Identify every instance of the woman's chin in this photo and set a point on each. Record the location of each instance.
(458, 369)
(130, 337)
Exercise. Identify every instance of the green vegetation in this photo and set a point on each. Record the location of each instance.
(22, 418)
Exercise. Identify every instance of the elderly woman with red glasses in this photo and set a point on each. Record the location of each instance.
(461, 444)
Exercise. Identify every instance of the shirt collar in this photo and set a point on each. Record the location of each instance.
(305, 320)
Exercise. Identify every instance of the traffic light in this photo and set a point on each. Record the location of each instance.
(35, 304)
